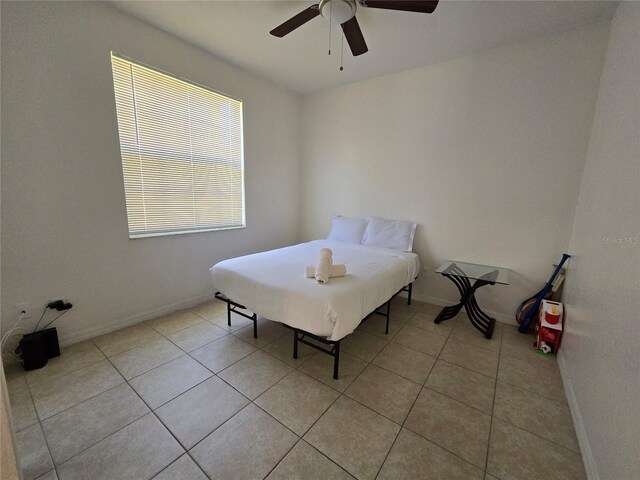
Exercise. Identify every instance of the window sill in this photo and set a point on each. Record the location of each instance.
(183, 232)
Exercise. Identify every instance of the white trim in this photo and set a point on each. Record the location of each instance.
(86, 334)
(441, 302)
(578, 425)
(134, 236)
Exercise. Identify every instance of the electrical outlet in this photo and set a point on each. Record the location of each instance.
(24, 307)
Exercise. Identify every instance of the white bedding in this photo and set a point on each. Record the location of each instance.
(273, 284)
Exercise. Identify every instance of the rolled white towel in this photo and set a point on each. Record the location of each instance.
(336, 271)
(339, 270)
(323, 268)
(310, 271)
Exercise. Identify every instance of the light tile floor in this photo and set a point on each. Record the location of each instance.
(186, 397)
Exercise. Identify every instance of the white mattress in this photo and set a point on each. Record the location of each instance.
(273, 284)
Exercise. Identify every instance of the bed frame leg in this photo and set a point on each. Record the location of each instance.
(295, 344)
(410, 291)
(336, 360)
(386, 331)
(228, 314)
(255, 325)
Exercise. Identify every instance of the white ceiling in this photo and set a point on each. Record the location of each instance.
(238, 32)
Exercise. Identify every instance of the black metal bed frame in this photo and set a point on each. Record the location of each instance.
(233, 307)
(299, 335)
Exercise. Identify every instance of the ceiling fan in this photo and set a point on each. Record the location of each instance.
(344, 11)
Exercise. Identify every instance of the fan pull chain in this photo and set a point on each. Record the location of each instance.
(342, 53)
(330, 22)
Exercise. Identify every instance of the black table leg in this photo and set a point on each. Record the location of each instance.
(477, 317)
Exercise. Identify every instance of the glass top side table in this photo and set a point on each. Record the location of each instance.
(461, 274)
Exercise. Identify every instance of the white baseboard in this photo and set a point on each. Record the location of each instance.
(585, 448)
(86, 334)
(441, 302)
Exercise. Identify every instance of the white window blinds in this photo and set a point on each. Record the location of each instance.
(182, 155)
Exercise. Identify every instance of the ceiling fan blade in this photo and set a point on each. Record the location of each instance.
(354, 37)
(296, 21)
(422, 6)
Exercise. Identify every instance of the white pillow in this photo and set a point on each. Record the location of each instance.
(394, 234)
(349, 230)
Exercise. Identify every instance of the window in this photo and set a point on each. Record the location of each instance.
(182, 154)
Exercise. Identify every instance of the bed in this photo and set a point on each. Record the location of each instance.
(273, 285)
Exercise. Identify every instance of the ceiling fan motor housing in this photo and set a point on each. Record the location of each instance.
(337, 10)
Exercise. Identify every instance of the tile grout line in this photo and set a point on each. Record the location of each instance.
(431, 441)
(283, 457)
(465, 368)
(343, 393)
(405, 419)
(315, 421)
(500, 355)
(152, 412)
(517, 426)
(134, 391)
(172, 463)
(202, 320)
(340, 394)
(179, 347)
(294, 368)
(185, 391)
(300, 437)
(534, 433)
(455, 400)
(544, 367)
(46, 442)
(33, 404)
(146, 323)
(141, 399)
(252, 402)
(128, 349)
(235, 389)
(116, 386)
(321, 453)
(88, 398)
(531, 392)
(447, 337)
(55, 466)
(39, 423)
(405, 378)
(493, 407)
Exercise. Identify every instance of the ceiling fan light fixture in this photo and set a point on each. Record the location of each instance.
(339, 11)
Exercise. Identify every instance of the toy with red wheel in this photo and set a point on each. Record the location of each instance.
(528, 309)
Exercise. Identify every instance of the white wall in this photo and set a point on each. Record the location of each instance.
(8, 462)
(485, 152)
(600, 355)
(64, 225)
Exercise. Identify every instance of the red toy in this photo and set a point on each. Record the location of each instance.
(549, 327)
